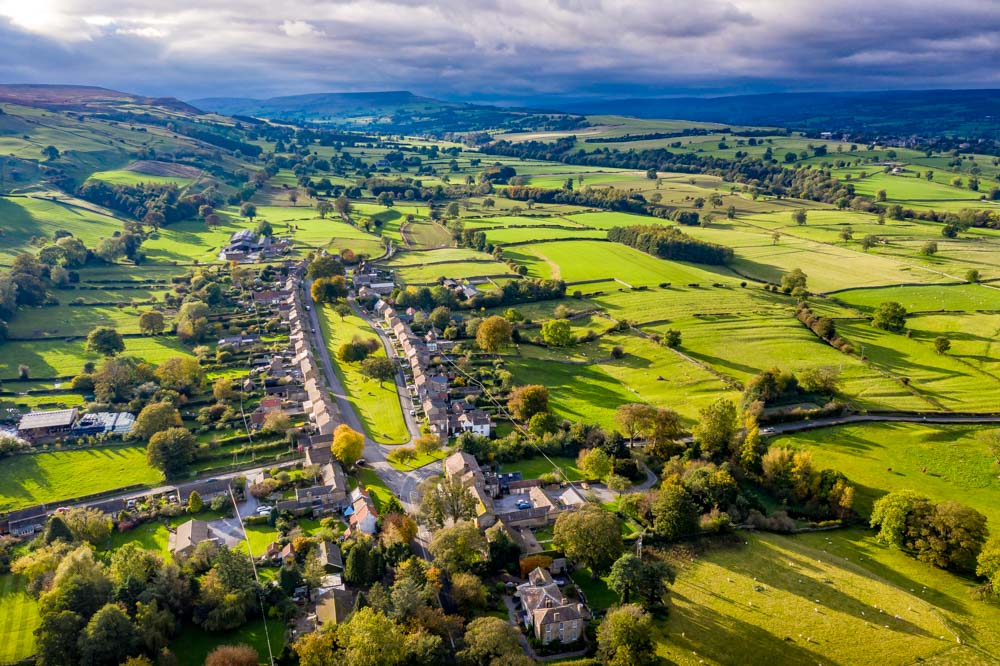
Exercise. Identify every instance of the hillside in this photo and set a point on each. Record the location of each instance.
(90, 98)
(965, 112)
(394, 111)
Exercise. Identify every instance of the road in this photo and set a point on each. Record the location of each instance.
(403, 484)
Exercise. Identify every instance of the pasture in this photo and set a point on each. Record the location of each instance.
(65, 358)
(941, 462)
(377, 406)
(831, 598)
(53, 476)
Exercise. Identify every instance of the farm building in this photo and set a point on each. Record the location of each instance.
(40, 426)
(106, 423)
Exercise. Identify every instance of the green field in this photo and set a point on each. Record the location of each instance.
(591, 390)
(63, 358)
(127, 177)
(957, 462)
(193, 644)
(35, 478)
(27, 217)
(532, 468)
(816, 598)
(926, 298)
(18, 620)
(378, 407)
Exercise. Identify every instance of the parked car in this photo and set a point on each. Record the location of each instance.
(264, 510)
(360, 462)
(523, 504)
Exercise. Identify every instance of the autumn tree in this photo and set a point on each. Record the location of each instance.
(590, 536)
(348, 444)
(232, 655)
(155, 417)
(458, 548)
(182, 374)
(557, 333)
(526, 401)
(493, 334)
(151, 322)
(488, 641)
(716, 428)
(595, 463)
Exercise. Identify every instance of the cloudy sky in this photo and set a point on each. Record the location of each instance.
(503, 50)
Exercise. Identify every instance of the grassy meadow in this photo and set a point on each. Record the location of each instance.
(377, 406)
(47, 477)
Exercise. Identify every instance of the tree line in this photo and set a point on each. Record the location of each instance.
(670, 243)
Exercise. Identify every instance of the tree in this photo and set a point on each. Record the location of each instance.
(988, 564)
(343, 310)
(155, 417)
(109, 638)
(468, 592)
(56, 529)
(929, 249)
(223, 390)
(440, 317)
(557, 333)
(324, 267)
(154, 625)
(370, 638)
(972, 276)
(595, 463)
(716, 427)
(347, 444)
(171, 451)
(799, 216)
(942, 344)
(446, 498)
(192, 322)
(794, 281)
(427, 443)
(889, 316)
(328, 290)
(675, 515)
(889, 514)
(57, 638)
(182, 374)
(625, 637)
(379, 369)
(151, 322)
(589, 536)
(277, 422)
(51, 153)
(950, 536)
(106, 341)
(488, 641)
(88, 524)
(493, 334)
(526, 401)
(646, 580)
(869, 241)
(233, 655)
(318, 648)
(248, 210)
(342, 205)
(458, 548)
(324, 208)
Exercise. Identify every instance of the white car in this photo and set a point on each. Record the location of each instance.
(264, 510)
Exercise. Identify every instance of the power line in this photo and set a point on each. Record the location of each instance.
(253, 565)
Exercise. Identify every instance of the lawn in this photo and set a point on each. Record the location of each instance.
(598, 594)
(18, 620)
(532, 468)
(942, 462)
(376, 487)
(35, 478)
(260, 537)
(127, 177)
(377, 406)
(193, 643)
(819, 598)
(421, 460)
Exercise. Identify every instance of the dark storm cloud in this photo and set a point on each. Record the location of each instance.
(500, 49)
